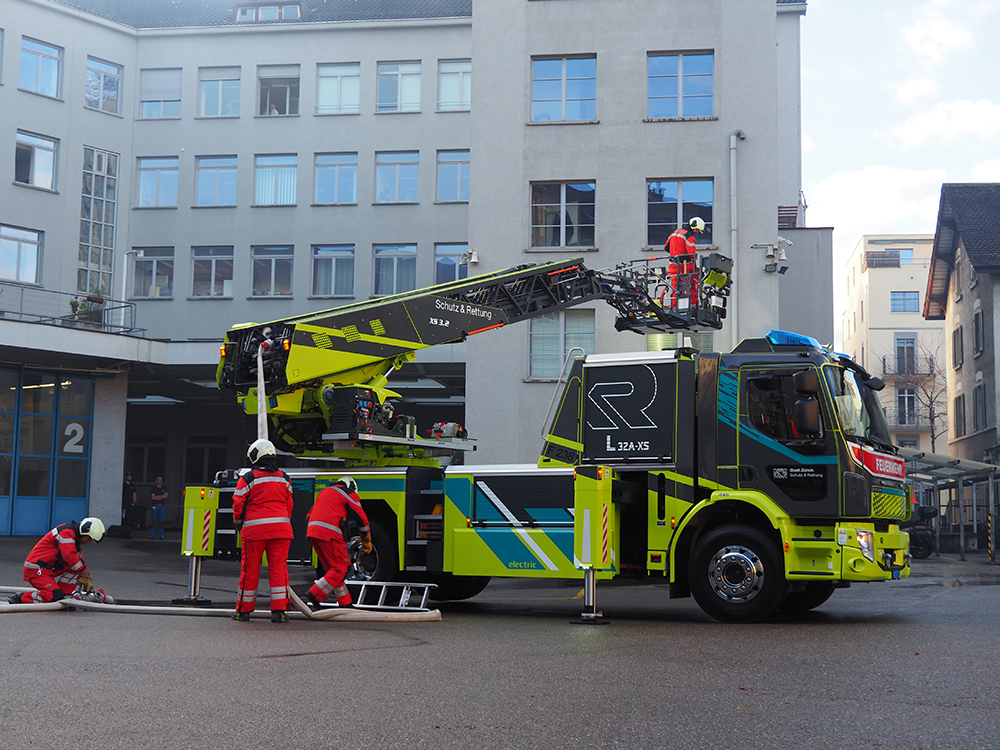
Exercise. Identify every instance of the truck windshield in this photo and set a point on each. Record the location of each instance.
(858, 408)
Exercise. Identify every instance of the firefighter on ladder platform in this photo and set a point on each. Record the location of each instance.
(328, 534)
(683, 271)
(54, 566)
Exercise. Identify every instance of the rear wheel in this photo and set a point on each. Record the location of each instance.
(451, 587)
(381, 564)
(921, 546)
(814, 594)
(736, 574)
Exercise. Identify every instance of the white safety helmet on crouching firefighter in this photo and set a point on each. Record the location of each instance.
(260, 449)
(697, 224)
(92, 527)
(349, 485)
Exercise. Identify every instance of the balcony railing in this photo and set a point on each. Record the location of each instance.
(32, 304)
(905, 366)
(900, 419)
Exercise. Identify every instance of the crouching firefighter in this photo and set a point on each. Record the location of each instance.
(55, 567)
(328, 533)
(262, 512)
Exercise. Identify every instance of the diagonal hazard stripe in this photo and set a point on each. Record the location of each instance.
(518, 527)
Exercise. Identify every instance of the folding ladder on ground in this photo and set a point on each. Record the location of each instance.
(391, 595)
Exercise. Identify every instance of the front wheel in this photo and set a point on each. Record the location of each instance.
(814, 594)
(736, 574)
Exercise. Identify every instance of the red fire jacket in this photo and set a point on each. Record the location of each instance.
(331, 506)
(681, 243)
(267, 499)
(59, 550)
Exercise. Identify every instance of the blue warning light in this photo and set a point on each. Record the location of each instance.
(787, 338)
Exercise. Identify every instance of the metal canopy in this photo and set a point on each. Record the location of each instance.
(931, 466)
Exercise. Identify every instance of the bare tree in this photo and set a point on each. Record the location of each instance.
(923, 373)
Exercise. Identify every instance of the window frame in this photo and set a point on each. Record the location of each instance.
(336, 167)
(202, 169)
(548, 370)
(959, 423)
(280, 169)
(161, 171)
(269, 81)
(449, 255)
(36, 144)
(337, 257)
(401, 78)
(461, 179)
(51, 52)
(539, 209)
(683, 81)
(117, 74)
(957, 348)
(906, 301)
(273, 257)
(176, 74)
(397, 253)
(464, 76)
(906, 403)
(95, 262)
(160, 255)
(210, 257)
(978, 333)
(393, 169)
(339, 107)
(18, 236)
(223, 94)
(684, 210)
(979, 407)
(539, 83)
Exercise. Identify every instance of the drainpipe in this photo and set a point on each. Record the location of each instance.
(737, 135)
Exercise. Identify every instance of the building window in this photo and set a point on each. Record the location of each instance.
(103, 84)
(158, 182)
(272, 271)
(399, 87)
(41, 67)
(338, 89)
(220, 92)
(564, 89)
(680, 85)
(671, 201)
(908, 441)
(448, 262)
(453, 176)
(553, 335)
(905, 256)
(216, 180)
(275, 179)
(98, 214)
(20, 253)
(160, 93)
(906, 353)
(395, 269)
(978, 333)
(35, 161)
(906, 406)
(454, 85)
(979, 407)
(333, 270)
(336, 178)
(154, 272)
(249, 14)
(213, 272)
(957, 348)
(959, 415)
(278, 89)
(396, 175)
(562, 214)
(904, 302)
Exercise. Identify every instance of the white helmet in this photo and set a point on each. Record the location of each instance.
(697, 224)
(350, 486)
(92, 527)
(259, 449)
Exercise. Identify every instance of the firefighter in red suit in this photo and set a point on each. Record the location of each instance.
(681, 246)
(262, 512)
(332, 508)
(54, 566)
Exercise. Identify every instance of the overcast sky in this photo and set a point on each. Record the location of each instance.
(898, 96)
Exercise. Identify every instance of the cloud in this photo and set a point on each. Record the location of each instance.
(952, 120)
(911, 90)
(935, 31)
(987, 171)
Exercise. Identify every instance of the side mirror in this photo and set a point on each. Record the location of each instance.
(806, 382)
(876, 384)
(806, 416)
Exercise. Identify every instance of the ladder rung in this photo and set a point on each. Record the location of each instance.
(406, 601)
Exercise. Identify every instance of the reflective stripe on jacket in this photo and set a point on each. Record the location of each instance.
(331, 507)
(267, 496)
(58, 550)
(681, 243)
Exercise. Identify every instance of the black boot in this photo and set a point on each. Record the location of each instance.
(278, 615)
(310, 601)
(14, 599)
(241, 616)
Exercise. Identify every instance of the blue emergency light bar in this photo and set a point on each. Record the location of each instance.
(787, 338)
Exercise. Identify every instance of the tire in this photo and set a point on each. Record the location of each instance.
(921, 546)
(453, 588)
(381, 564)
(815, 593)
(736, 574)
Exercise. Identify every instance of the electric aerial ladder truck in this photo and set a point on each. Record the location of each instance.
(753, 480)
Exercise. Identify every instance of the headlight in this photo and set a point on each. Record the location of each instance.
(867, 543)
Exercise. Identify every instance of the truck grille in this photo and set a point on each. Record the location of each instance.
(888, 503)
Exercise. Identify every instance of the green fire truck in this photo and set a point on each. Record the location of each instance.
(755, 480)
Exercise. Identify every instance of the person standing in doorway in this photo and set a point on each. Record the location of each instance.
(130, 502)
(158, 512)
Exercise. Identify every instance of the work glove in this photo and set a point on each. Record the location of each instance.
(366, 543)
(238, 524)
(85, 582)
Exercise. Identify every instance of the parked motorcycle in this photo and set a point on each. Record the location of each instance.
(921, 534)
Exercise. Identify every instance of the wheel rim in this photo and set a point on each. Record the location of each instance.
(364, 566)
(736, 573)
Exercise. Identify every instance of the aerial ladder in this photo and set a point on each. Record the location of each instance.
(325, 375)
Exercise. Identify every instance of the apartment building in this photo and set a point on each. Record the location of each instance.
(183, 166)
(884, 332)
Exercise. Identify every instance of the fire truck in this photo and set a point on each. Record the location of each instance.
(757, 480)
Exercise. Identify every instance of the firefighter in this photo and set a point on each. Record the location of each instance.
(54, 566)
(682, 249)
(328, 521)
(262, 512)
